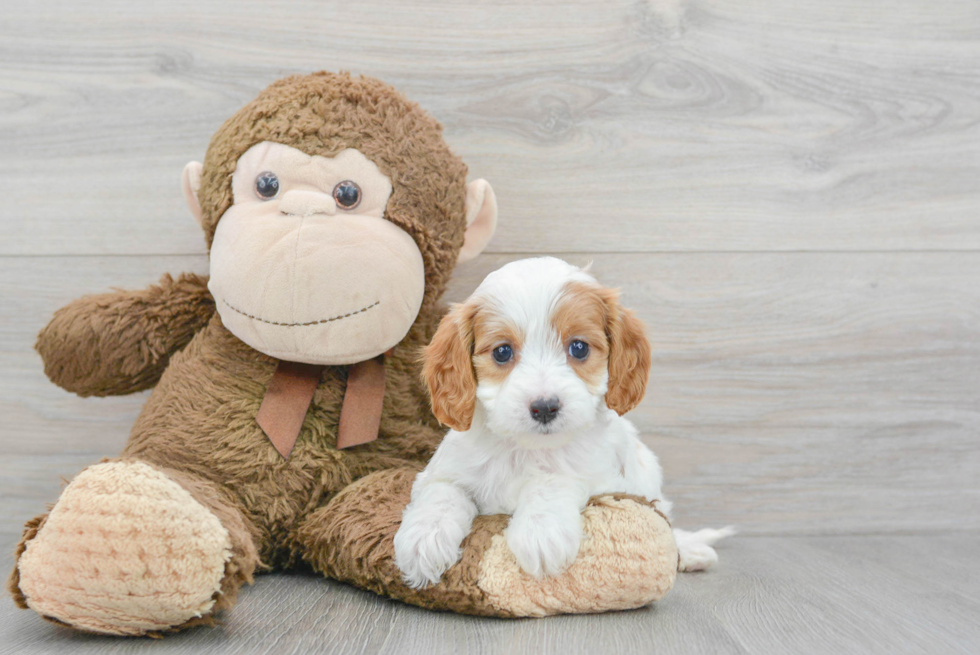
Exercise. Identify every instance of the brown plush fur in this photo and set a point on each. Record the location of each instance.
(200, 420)
(118, 343)
(351, 539)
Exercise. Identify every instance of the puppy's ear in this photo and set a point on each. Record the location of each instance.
(447, 369)
(629, 355)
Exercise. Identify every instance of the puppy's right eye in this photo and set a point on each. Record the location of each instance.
(502, 354)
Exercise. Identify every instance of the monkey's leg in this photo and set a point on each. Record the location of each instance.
(131, 549)
(628, 557)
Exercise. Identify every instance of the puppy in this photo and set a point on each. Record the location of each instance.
(533, 374)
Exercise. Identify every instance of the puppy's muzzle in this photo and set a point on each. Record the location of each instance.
(545, 410)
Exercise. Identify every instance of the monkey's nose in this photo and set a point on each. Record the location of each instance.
(307, 203)
(544, 410)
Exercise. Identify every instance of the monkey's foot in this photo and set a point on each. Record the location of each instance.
(628, 557)
(125, 551)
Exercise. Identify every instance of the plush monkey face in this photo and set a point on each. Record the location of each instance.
(339, 222)
(304, 265)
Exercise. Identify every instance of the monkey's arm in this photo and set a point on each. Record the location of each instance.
(118, 343)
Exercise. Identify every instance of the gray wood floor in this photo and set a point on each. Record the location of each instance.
(856, 594)
(788, 192)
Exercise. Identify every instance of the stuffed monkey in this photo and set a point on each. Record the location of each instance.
(287, 419)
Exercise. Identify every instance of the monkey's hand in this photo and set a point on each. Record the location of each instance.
(118, 343)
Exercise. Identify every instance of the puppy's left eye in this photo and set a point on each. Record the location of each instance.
(578, 349)
(502, 354)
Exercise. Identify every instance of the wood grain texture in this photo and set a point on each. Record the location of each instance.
(677, 125)
(769, 595)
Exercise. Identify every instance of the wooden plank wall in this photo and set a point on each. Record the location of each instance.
(787, 192)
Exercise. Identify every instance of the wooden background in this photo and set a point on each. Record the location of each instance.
(788, 192)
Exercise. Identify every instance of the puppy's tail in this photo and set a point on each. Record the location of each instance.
(695, 548)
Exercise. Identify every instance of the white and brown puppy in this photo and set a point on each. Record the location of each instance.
(533, 374)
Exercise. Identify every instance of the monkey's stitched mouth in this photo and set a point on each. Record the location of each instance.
(325, 320)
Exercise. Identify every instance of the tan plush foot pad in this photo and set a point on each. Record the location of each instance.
(125, 551)
(628, 557)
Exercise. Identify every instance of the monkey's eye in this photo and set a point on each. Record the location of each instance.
(267, 185)
(578, 349)
(347, 194)
(502, 354)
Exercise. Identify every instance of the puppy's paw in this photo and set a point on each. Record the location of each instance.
(544, 545)
(425, 548)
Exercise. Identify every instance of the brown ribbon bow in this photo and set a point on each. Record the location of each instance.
(290, 393)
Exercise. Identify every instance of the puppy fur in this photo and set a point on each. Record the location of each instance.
(503, 457)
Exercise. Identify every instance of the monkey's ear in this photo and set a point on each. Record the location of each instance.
(481, 219)
(191, 184)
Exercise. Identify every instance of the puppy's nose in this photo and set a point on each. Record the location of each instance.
(544, 410)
